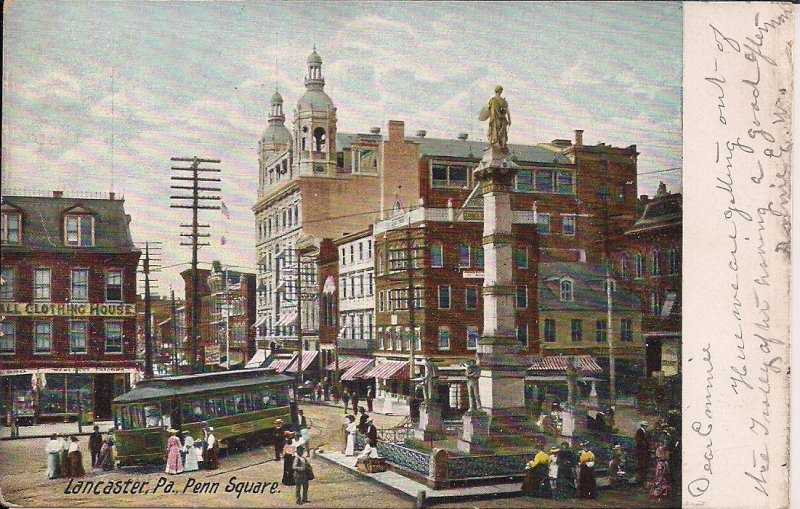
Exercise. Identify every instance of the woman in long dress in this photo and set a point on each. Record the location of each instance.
(53, 450)
(63, 457)
(105, 460)
(174, 465)
(75, 459)
(662, 480)
(191, 458)
(351, 429)
(536, 483)
(288, 459)
(616, 476)
(587, 482)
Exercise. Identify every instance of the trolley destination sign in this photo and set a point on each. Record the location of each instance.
(68, 309)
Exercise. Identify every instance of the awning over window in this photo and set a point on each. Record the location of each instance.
(260, 321)
(287, 319)
(669, 303)
(359, 367)
(280, 365)
(344, 363)
(259, 359)
(329, 287)
(389, 370)
(308, 358)
(586, 364)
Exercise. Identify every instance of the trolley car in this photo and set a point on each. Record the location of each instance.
(241, 405)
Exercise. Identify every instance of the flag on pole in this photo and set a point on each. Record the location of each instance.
(224, 210)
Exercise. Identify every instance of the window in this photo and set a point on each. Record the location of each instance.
(654, 304)
(344, 259)
(602, 192)
(623, 266)
(471, 297)
(360, 251)
(11, 226)
(361, 285)
(444, 338)
(42, 337)
(437, 256)
(566, 290)
(479, 264)
(369, 249)
(522, 334)
(626, 329)
(7, 284)
(365, 160)
(639, 265)
(419, 297)
(522, 297)
(568, 225)
(398, 259)
(523, 182)
(613, 285)
(78, 330)
(564, 182)
(343, 288)
(601, 331)
(463, 256)
(79, 230)
(472, 337)
(41, 284)
(370, 284)
(549, 330)
(673, 261)
(113, 337)
(522, 258)
(8, 338)
(443, 176)
(655, 262)
(543, 224)
(577, 331)
(544, 181)
(79, 285)
(604, 165)
(444, 297)
(621, 194)
(114, 286)
(352, 254)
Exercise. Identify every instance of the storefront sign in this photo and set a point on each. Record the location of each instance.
(473, 274)
(74, 371)
(69, 309)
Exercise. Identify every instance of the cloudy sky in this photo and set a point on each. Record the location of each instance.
(99, 95)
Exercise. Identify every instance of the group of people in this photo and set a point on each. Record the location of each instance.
(65, 460)
(365, 425)
(660, 465)
(191, 455)
(562, 474)
(294, 447)
(353, 399)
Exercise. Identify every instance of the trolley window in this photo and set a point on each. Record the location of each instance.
(153, 416)
(194, 411)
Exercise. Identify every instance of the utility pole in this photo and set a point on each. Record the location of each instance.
(173, 323)
(149, 264)
(612, 371)
(197, 362)
(227, 321)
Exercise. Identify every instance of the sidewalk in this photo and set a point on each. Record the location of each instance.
(379, 406)
(59, 428)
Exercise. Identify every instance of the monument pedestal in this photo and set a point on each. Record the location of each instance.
(430, 425)
(573, 422)
(475, 436)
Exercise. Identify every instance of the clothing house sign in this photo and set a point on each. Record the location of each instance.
(69, 309)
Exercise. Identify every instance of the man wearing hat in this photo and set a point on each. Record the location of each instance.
(95, 444)
(300, 467)
(642, 453)
(278, 440)
(372, 433)
(212, 450)
(615, 473)
(567, 461)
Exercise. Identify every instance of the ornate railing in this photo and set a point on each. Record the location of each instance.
(467, 467)
(399, 455)
(397, 434)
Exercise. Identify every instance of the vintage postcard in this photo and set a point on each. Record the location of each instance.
(396, 254)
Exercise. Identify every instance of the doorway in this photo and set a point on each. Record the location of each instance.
(103, 396)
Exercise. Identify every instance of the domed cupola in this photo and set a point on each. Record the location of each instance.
(314, 125)
(315, 98)
(276, 135)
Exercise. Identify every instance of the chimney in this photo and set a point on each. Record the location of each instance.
(58, 194)
(578, 138)
(397, 130)
(111, 196)
(375, 130)
(421, 133)
(463, 136)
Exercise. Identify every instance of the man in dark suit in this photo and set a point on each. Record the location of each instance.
(372, 433)
(95, 444)
(642, 453)
(362, 420)
(278, 440)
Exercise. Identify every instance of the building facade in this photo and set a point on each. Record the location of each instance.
(356, 293)
(232, 312)
(69, 305)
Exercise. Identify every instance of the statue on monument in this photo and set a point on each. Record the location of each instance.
(473, 374)
(499, 117)
(572, 382)
(429, 381)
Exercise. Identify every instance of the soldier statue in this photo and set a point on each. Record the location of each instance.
(429, 382)
(473, 374)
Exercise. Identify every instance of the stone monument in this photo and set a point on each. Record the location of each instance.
(501, 386)
(573, 416)
(430, 425)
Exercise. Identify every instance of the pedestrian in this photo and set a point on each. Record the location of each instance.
(212, 450)
(587, 482)
(642, 449)
(326, 391)
(362, 419)
(75, 459)
(354, 401)
(105, 459)
(372, 433)
(53, 450)
(302, 474)
(319, 391)
(536, 483)
(567, 461)
(63, 458)
(289, 451)
(302, 419)
(305, 440)
(278, 439)
(190, 463)
(662, 481)
(198, 453)
(346, 399)
(351, 429)
(616, 476)
(95, 444)
(174, 463)
(370, 397)
(552, 473)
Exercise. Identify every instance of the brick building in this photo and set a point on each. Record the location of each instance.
(69, 305)
(649, 262)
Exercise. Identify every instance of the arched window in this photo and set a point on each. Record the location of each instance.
(639, 265)
(320, 139)
(566, 290)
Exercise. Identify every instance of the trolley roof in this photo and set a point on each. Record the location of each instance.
(200, 384)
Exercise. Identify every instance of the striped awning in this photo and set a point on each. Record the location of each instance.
(287, 319)
(586, 364)
(308, 358)
(389, 370)
(344, 363)
(361, 366)
(280, 365)
(261, 321)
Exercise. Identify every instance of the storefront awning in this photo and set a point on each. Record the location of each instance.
(258, 359)
(586, 364)
(287, 319)
(389, 370)
(344, 363)
(280, 365)
(260, 321)
(359, 367)
(308, 358)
